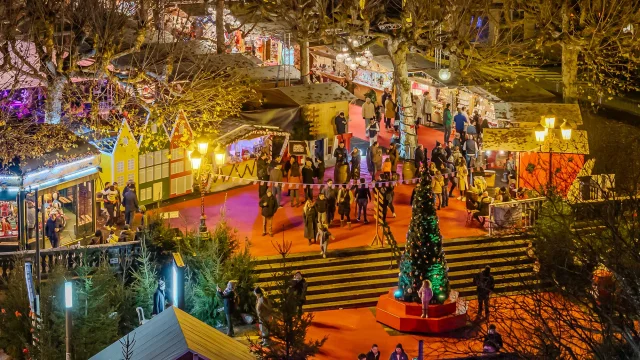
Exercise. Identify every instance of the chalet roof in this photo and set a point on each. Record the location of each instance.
(524, 140)
(415, 62)
(529, 114)
(107, 144)
(174, 333)
(269, 73)
(307, 94)
(233, 129)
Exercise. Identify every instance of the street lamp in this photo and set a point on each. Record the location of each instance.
(68, 304)
(198, 160)
(220, 156)
(566, 130)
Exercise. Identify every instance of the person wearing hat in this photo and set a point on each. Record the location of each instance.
(399, 354)
(159, 301)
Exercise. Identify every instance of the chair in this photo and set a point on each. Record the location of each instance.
(141, 319)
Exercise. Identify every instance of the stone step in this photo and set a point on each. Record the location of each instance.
(487, 252)
(385, 265)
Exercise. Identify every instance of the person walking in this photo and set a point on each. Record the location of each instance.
(355, 164)
(376, 156)
(263, 311)
(229, 304)
(275, 177)
(331, 194)
(470, 148)
(427, 108)
(460, 121)
(363, 196)
(342, 158)
(389, 112)
(307, 179)
(399, 354)
(321, 208)
(446, 176)
(344, 205)
(294, 180)
(373, 128)
(462, 174)
(299, 289)
(52, 229)
(485, 284)
(393, 157)
(368, 111)
(388, 193)
(310, 218)
(130, 202)
(425, 293)
(263, 174)
(320, 169)
(323, 238)
(371, 168)
(269, 206)
(447, 120)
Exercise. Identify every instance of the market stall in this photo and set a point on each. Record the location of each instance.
(66, 183)
(271, 76)
(425, 87)
(325, 67)
(238, 149)
(535, 160)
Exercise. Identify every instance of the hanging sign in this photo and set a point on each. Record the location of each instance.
(298, 148)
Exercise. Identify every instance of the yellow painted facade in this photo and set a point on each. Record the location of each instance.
(121, 165)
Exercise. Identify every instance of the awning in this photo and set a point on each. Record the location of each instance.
(524, 140)
(530, 115)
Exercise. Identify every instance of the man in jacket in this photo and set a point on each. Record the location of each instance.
(52, 229)
(263, 174)
(263, 310)
(340, 154)
(275, 177)
(460, 119)
(308, 172)
(374, 353)
(447, 120)
(373, 128)
(437, 155)
(229, 304)
(368, 111)
(330, 193)
(419, 157)
(485, 284)
(126, 234)
(341, 123)
(393, 156)
(321, 208)
(376, 156)
(269, 206)
(299, 289)
(159, 298)
(363, 196)
(130, 202)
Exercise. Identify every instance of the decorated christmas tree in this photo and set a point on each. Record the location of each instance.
(424, 257)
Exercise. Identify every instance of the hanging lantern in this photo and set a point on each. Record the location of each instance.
(368, 54)
(549, 122)
(444, 74)
(541, 133)
(348, 61)
(355, 43)
(345, 49)
(566, 130)
(353, 66)
(358, 59)
(340, 58)
(364, 63)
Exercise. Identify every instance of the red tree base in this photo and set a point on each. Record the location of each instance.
(405, 316)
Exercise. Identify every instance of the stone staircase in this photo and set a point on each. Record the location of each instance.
(357, 277)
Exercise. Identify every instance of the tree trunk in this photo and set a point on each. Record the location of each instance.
(570, 73)
(304, 61)
(53, 108)
(406, 122)
(220, 43)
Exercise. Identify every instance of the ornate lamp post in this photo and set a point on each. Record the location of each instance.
(198, 164)
(545, 135)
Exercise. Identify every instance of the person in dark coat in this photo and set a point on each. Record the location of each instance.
(438, 155)
(269, 206)
(355, 164)
(126, 234)
(371, 167)
(321, 208)
(344, 205)
(299, 289)
(130, 202)
(485, 284)
(492, 341)
(342, 159)
(341, 123)
(263, 174)
(52, 229)
(159, 298)
(320, 170)
(310, 217)
(229, 304)
(394, 157)
(399, 354)
(331, 194)
(419, 157)
(363, 196)
(374, 353)
(307, 179)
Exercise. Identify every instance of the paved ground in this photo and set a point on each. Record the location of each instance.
(243, 212)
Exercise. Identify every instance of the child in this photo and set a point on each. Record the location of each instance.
(425, 294)
(323, 238)
(113, 238)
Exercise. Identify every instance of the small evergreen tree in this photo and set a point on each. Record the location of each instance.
(15, 322)
(287, 327)
(424, 256)
(145, 280)
(127, 347)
